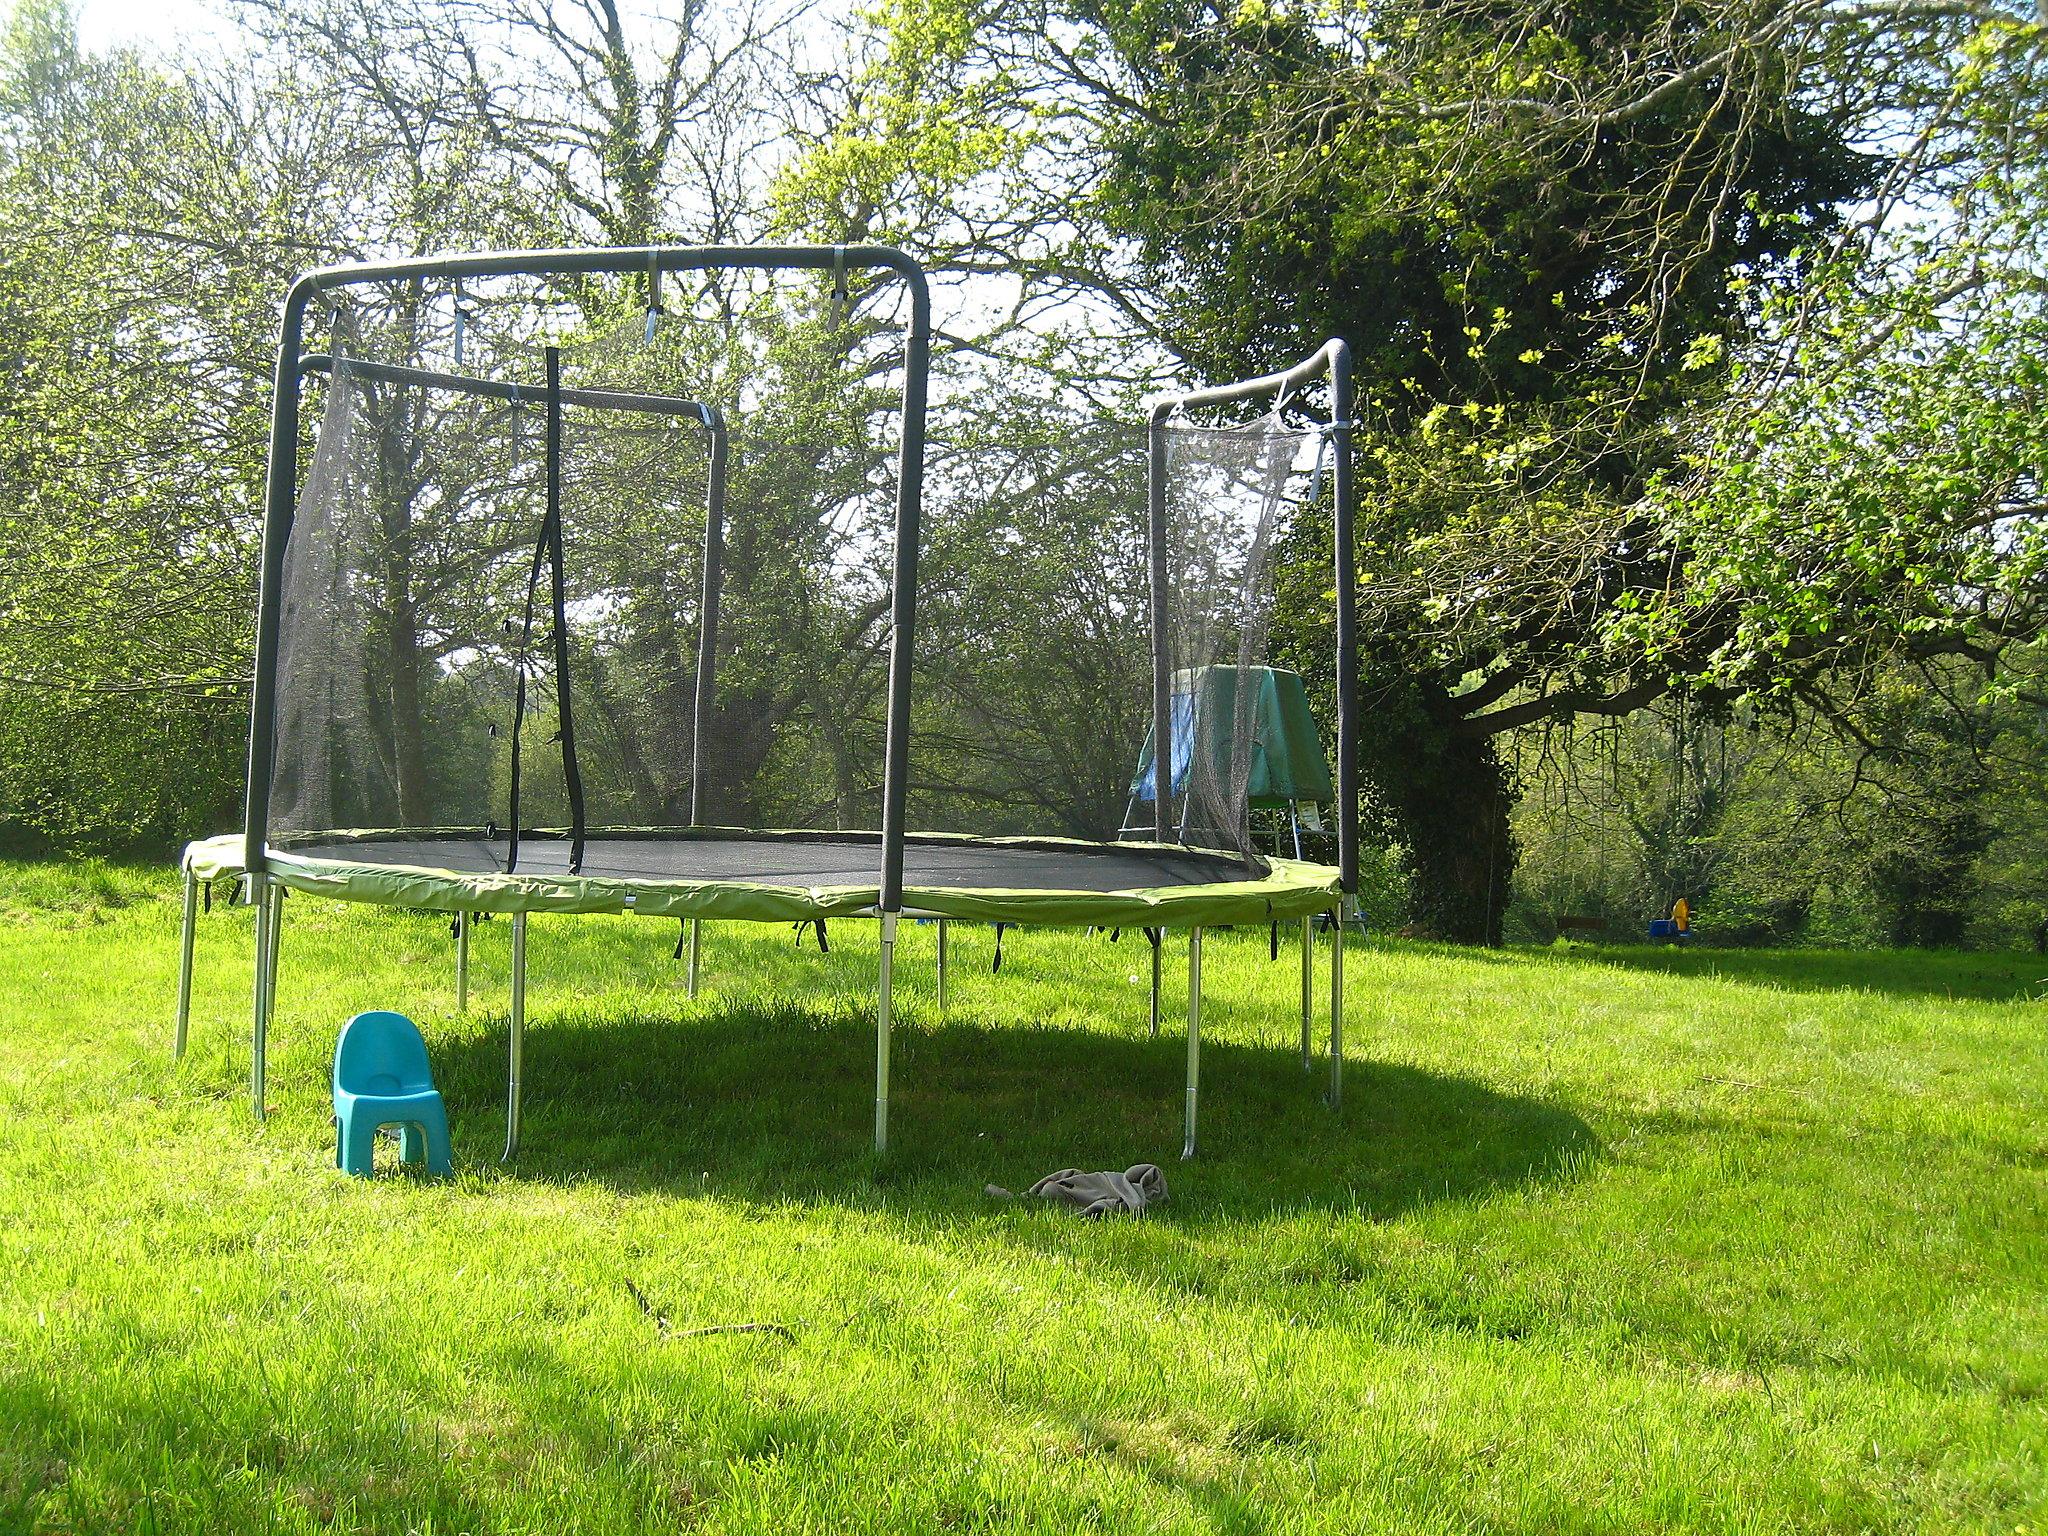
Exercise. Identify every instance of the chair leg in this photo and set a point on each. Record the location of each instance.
(440, 1154)
(359, 1145)
(412, 1142)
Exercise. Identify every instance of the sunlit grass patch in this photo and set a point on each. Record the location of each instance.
(1603, 1240)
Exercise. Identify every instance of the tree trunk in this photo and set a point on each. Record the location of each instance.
(408, 743)
(1448, 798)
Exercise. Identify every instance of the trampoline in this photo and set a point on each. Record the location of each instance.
(477, 613)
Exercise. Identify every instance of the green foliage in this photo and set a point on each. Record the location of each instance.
(152, 212)
(1873, 485)
(129, 443)
(1911, 821)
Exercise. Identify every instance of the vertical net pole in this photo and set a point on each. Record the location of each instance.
(268, 898)
(902, 635)
(280, 489)
(884, 1022)
(270, 959)
(1162, 657)
(903, 595)
(259, 1028)
(1156, 962)
(1337, 1007)
(1343, 508)
(462, 962)
(707, 613)
(1346, 574)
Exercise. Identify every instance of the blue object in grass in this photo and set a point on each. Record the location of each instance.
(1663, 928)
(381, 1078)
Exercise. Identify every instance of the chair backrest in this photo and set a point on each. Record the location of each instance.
(381, 1044)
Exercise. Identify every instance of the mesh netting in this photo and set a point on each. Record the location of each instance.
(1034, 682)
(431, 677)
(420, 660)
(1032, 688)
(1227, 492)
(397, 672)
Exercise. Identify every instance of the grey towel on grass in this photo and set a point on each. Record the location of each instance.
(1099, 1194)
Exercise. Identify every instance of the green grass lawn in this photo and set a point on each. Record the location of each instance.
(1602, 1240)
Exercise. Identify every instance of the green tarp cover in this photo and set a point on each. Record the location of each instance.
(1287, 761)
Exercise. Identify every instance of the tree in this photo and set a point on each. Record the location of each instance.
(154, 214)
(1572, 246)
(140, 217)
(1525, 286)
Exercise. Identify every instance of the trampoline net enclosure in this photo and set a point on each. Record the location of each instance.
(564, 581)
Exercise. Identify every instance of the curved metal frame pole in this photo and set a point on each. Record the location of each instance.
(462, 922)
(1337, 1006)
(942, 967)
(281, 479)
(1332, 360)
(281, 492)
(187, 935)
(1194, 1037)
(883, 1026)
(696, 947)
(515, 1037)
(1308, 986)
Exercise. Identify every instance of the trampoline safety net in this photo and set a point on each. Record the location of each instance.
(537, 591)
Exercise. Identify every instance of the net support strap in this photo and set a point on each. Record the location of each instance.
(548, 552)
(558, 587)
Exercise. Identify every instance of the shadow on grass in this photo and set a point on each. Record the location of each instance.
(1993, 977)
(777, 1106)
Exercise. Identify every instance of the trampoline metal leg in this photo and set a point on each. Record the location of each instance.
(515, 1049)
(882, 1026)
(1337, 1007)
(942, 967)
(1155, 989)
(259, 1030)
(186, 934)
(1308, 986)
(276, 943)
(696, 942)
(462, 922)
(1194, 1036)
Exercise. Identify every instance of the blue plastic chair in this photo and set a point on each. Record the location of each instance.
(381, 1078)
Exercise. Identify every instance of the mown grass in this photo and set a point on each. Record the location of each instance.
(1614, 1240)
